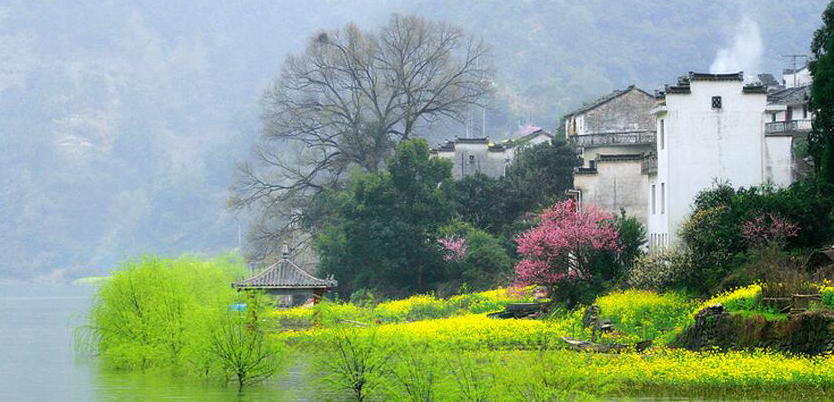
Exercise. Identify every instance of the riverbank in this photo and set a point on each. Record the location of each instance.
(527, 360)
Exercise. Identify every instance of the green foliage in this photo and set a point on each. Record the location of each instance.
(486, 263)
(355, 362)
(632, 237)
(237, 344)
(661, 270)
(175, 314)
(416, 373)
(381, 234)
(713, 231)
(821, 66)
(537, 177)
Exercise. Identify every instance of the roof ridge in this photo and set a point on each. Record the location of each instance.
(607, 98)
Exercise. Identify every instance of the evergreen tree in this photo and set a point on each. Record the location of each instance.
(822, 97)
(382, 230)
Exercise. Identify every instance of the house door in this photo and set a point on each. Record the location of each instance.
(789, 114)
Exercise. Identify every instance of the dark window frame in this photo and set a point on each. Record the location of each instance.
(716, 102)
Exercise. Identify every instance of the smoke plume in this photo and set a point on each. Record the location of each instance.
(744, 53)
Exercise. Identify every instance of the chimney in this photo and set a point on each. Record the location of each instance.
(285, 253)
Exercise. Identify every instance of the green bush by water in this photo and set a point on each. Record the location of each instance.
(180, 314)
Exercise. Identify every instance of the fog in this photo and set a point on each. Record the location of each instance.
(121, 122)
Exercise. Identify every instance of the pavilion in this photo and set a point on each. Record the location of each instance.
(286, 280)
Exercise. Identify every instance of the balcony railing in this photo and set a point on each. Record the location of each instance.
(607, 139)
(649, 165)
(779, 127)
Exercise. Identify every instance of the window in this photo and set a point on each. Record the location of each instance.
(716, 102)
(804, 111)
(662, 133)
(662, 198)
(592, 164)
(654, 200)
(773, 117)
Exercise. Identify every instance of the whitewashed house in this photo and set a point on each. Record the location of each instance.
(613, 135)
(796, 78)
(479, 155)
(711, 127)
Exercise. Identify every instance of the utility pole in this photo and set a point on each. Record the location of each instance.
(793, 58)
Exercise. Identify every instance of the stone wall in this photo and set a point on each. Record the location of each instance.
(808, 333)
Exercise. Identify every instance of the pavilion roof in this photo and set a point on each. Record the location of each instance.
(284, 274)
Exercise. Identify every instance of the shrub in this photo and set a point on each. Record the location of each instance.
(416, 373)
(239, 346)
(175, 313)
(665, 269)
(353, 360)
(726, 221)
(474, 257)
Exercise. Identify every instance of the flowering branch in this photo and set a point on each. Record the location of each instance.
(454, 247)
(562, 246)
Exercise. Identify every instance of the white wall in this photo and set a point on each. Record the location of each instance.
(618, 184)
(779, 160)
(803, 77)
(703, 145)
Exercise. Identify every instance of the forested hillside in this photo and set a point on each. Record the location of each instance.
(120, 123)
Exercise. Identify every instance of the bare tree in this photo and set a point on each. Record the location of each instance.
(347, 101)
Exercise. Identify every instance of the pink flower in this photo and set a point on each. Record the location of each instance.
(455, 248)
(767, 229)
(562, 246)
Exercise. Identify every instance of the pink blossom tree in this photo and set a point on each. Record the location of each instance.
(454, 248)
(561, 249)
(767, 229)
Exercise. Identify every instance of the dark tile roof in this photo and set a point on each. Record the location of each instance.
(790, 96)
(619, 157)
(693, 76)
(524, 139)
(284, 274)
(792, 71)
(527, 134)
(768, 80)
(683, 85)
(607, 98)
(754, 89)
(482, 140)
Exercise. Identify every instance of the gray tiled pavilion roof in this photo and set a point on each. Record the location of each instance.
(284, 275)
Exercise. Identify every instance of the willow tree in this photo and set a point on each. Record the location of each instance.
(345, 103)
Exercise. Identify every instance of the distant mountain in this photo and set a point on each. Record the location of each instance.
(120, 122)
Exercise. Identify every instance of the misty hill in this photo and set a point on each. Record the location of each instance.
(120, 123)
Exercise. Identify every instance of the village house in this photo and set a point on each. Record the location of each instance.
(613, 135)
(714, 128)
(796, 78)
(479, 155)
